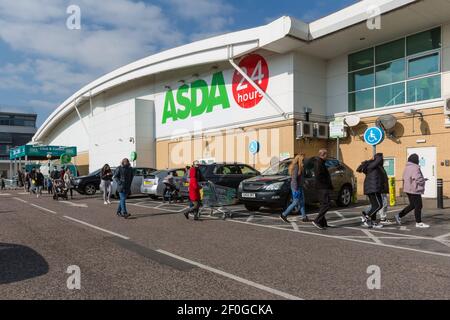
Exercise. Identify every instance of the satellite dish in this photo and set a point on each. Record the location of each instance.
(274, 161)
(352, 121)
(387, 122)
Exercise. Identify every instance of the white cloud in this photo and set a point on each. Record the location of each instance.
(210, 15)
(113, 32)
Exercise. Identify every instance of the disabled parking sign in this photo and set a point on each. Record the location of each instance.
(374, 136)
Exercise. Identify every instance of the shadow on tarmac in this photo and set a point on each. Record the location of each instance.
(18, 263)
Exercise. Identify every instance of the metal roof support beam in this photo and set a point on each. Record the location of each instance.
(81, 119)
(253, 83)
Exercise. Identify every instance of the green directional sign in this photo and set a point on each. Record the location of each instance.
(41, 152)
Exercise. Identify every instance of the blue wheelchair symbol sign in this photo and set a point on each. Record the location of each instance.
(374, 136)
(254, 147)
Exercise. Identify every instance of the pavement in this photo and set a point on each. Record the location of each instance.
(158, 254)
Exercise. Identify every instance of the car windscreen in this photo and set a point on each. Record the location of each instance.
(279, 169)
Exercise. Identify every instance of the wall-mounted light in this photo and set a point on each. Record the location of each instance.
(413, 113)
(132, 140)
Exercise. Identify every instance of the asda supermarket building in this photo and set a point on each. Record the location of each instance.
(280, 84)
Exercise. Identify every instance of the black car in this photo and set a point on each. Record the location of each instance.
(88, 184)
(273, 188)
(222, 174)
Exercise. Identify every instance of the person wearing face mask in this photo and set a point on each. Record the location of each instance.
(414, 186)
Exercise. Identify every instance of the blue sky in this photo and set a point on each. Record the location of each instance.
(42, 62)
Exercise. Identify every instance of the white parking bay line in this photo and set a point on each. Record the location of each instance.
(97, 228)
(447, 255)
(295, 226)
(371, 236)
(5, 194)
(42, 208)
(21, 200)
(443, 236)
(233, 277)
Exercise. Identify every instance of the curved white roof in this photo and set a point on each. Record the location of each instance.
(282, 35)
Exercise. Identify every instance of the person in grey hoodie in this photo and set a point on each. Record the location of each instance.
(414, 187)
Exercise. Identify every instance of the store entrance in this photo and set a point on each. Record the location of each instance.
(428, 164)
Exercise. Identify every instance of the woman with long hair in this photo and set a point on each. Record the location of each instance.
(107, 176)
(296, 171)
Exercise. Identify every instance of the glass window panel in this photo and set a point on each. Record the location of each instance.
(360, 80)
(424, 65)
(390, 72)
(360, 60)
(424, 89)
(361, 100)
(424, 41)
(390, 51)
(390, 95)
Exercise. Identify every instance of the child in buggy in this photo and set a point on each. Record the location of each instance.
(171, 192)
(59, 189)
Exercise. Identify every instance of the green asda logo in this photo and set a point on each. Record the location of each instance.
(186, 104)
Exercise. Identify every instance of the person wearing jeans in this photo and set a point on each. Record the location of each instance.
(124, 178)
(296, 172)
(414, 187)
(106, 176)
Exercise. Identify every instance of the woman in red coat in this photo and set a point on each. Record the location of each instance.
(194, 190)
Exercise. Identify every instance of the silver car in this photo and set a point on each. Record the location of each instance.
(138, 177)
(153, 183)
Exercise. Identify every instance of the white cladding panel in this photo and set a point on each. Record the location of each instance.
(337, 85)
(310, 84)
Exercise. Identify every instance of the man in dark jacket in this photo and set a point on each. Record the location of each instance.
(323, 187)
(376, 184)
(124, 177)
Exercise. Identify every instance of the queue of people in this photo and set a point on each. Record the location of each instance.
(376, 188)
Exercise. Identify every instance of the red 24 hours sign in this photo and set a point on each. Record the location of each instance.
(256, 67)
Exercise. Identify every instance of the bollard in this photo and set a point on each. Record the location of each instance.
(392, 192)
(440, 194)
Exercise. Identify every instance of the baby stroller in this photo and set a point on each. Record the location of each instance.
(59, 190)
(171, 192)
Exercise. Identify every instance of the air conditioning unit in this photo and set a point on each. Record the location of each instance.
(305, 130)
(447, 107)
(321, 130)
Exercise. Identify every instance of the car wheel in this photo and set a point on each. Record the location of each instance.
(345, 196)
(90, 190)
(252, 208)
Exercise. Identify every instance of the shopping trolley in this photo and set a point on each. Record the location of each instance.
(216, 198)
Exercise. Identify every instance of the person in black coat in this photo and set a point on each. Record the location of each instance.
(324, 186)
(376, 184)
(124, 177)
